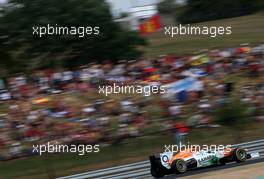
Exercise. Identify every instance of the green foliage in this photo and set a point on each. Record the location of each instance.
(167, 6)
(123, 14)
(205, 10)
(247, 29)
(18, 18)
(232, 113)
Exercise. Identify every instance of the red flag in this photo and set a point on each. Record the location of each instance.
(151, 25)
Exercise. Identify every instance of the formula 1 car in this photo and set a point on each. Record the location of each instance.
(167, 163)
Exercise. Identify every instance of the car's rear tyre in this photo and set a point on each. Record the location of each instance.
(156, 172)
(239, 155)
(179, 166)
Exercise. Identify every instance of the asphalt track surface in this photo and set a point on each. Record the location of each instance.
(213, 168)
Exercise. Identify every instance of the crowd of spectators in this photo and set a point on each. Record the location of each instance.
(64, 105)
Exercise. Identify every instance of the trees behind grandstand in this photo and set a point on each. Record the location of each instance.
(205, 10)
(19, 45)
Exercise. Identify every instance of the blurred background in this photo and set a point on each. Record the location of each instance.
(49, 85)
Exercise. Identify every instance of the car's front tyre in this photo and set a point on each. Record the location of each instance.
(239, 155)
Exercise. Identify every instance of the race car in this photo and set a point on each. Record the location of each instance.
(168, 163)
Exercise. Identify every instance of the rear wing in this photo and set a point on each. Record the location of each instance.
(163, 159)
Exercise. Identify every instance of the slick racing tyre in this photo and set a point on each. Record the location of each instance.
(239, 155)
(156, 172)
(179, 166)
(222, 161)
